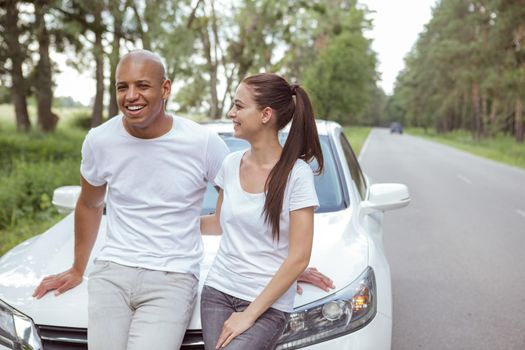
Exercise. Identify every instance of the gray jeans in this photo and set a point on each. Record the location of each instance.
(216, 307)
(133, 308)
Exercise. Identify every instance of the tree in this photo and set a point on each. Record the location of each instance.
(342, 79)
(13, 50)
(466, 69)
(117, 9)
(47, 120)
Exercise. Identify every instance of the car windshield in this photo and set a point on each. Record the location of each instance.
(327, 184)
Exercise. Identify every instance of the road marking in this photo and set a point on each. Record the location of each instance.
(520, 212)
(463, 178)
(362, 152)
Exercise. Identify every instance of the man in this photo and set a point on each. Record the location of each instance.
(154, 168)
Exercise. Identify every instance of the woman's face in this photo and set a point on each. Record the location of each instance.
(245, 114)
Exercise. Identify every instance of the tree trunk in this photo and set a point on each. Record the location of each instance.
(144, 35)
(216, 109)
(17, 57)
(493, 118)
(114, 58)
(47, 120)
(212, 71)
(484, 113)
(464, 110)
(98, 53)
(476, 112)
(518, 121)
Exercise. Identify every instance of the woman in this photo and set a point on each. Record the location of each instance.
(265, 212)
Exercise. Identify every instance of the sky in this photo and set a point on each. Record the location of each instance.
(397, 24)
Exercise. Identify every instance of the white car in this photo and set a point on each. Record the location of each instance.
(347, 247)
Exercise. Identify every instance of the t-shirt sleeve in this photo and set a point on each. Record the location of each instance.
(216, 152)
(302, 193)
(88, 165)
(219, 179)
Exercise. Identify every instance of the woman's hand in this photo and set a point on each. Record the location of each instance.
(318, 279)
(237, 324)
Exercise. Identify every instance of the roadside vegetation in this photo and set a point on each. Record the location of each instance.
(32, 165)
(499, 148)
(466, 72)
(357, 136)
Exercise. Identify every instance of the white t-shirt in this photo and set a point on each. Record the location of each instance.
(248, 256)
(155, 189)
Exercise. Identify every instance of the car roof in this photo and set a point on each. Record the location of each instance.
(224, 126)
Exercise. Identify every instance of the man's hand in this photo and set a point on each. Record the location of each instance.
(236, 324)
(59, 283)
(312, 276)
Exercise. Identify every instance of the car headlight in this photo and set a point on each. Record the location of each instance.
(17, 331)
(344, 312)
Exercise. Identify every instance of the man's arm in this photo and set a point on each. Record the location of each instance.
(210, 224)
(88, 213)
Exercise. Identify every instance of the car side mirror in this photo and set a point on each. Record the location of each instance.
(65, 198)
(383, 197)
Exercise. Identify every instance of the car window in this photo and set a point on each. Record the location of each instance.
(353, 165)
(327, 185)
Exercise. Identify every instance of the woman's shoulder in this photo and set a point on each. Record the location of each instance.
(301, 167)
(233, 157)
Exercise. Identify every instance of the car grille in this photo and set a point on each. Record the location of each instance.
(64, 338)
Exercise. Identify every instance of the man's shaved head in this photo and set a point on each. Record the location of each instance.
(140, 57)
(142, 92)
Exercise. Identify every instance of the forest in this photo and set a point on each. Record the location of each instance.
(208, 46)
(466, 71)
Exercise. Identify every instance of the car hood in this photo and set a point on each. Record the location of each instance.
(339, 251)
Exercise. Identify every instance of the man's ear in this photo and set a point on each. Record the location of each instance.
(166, 89)
(267, 115)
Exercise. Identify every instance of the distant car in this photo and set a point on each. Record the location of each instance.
(396, 127)
(347, 247)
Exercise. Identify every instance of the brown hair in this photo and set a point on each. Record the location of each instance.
(271, 90)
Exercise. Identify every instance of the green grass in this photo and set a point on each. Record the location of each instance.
(357, 136)
(502, 148)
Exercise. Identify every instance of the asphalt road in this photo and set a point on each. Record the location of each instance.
(457, 252)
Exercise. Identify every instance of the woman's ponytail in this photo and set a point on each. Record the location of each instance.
(271, 90)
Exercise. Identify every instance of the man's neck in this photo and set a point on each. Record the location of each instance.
(161, 126)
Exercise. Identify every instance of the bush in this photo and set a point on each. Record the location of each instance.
(31, 167)
(81, 120)
(27, 191)
(36, 147)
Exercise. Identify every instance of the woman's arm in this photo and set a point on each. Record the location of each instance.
(210, 224)
(299, 250)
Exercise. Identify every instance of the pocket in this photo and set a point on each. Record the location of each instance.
(210, 295)
(275, 327)
(186, 284)
(180, 277)
(282, 318)
(99, 266)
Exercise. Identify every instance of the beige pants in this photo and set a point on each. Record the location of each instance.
(133, 308)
